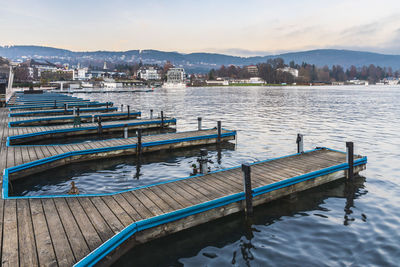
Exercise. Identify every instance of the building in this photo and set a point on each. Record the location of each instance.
(176, 75)
(252, 70)
(294, 72)
(391, 81)
(149, 73)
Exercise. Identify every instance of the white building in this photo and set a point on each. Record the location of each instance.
(149, 73)
(176, 75)
(81, 73)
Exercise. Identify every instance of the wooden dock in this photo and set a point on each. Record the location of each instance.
(84, 230)
(26, 135)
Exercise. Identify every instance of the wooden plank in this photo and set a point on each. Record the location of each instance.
(92, 238)
(62, 248)
(74, 234)
(142, 210)
(1, 224)
(101, 226)
(44, 244)
(155, 210)
(114, 223)
(119, 198)
(161, 203)
(27, 249)
(10, 235)
(119, 212)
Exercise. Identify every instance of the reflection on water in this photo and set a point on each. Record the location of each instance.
(116, 174)
(334, 225)
(235, 241)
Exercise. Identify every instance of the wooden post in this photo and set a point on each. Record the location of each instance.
(65, 109)
(219, 130)
(55, 104)
(126, 131)
(247, 189)
(199, 123)
(139, 143)
(78, 111)
(107, 106)
(151, 114)
(129, 112)
(203, 161)
(350, 159)
(122, 107)
(100, 127)
(300, 144)
(162, 119)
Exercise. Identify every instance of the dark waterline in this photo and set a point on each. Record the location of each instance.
(324, 227)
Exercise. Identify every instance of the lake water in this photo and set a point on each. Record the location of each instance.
(355, 223)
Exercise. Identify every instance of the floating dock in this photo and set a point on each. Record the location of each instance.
(69, 119)
(54, 112)
(84, 230)
(59, 105)
(26, 135)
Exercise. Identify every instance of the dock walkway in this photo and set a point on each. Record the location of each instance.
(63, 230)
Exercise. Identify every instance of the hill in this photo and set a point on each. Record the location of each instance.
(197, 62)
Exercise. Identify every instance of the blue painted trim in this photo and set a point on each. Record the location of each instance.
(77, 129)
(61, 105)
(103, 250)
(35, 163)
(71, 117)
(17, 114)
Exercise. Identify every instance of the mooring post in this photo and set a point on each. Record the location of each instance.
(107, 106)
(100, 127)
(122, 107)
(151, 114)
(203, 161)
(199, 123)
(300, 143)
(139, 143)
(65, 109)
(74, 111)
(162, 119)
(219, 131)
(55, 104)
(129, 112)
(78, 110)
(126, 131)
(350, 159)
(247, 189)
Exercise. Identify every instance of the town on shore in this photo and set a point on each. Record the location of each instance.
(36, 73)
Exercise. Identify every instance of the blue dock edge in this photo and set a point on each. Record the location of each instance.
(96, 255)
(77, 129)
(61, 111)
(13, 123)
(39, 162)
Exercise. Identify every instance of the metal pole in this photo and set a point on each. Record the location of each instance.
(162, 119)
(74, 111)
(78, 111)
(219, 129)
(65, 109)
(122, 107)
(126, 131)
(247, 189)
(107, 106)
(151, 114)
(300, 143)
(199, 123)
(350, 159)
(55, 104)
(129, 112)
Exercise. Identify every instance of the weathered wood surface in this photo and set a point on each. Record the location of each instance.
(62, 231)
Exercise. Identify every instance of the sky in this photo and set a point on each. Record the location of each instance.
(245, 28)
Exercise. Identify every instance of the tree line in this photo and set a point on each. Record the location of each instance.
(273, 72)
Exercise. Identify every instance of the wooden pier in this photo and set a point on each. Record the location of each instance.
(63, 230)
